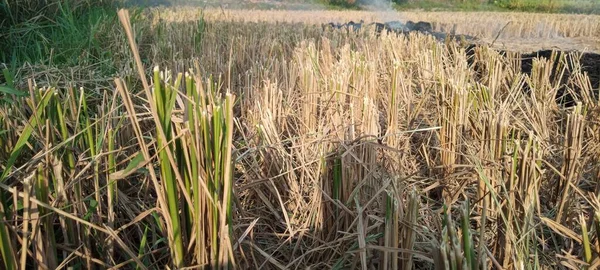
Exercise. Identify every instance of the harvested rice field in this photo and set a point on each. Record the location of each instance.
(188, 138)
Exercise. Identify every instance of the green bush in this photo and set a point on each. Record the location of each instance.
(341, 3)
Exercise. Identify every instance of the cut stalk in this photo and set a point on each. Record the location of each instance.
(166, 170)
(112, 187)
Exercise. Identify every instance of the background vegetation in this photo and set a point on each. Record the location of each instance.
(553, 6)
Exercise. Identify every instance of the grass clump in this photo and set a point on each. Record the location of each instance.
(62, 32)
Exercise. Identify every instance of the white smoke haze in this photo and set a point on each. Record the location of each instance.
(383, 9)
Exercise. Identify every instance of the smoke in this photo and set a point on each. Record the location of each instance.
(383, 5)
(383, 9)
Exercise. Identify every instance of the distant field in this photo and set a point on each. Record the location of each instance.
(511, 31)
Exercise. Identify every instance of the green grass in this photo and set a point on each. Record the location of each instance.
(545, 6)
(433, 5)
(68, 35)
(551, 6)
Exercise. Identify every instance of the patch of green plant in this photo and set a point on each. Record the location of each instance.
(340, 4)
(445, 5)
(59, 33)
(550, 6)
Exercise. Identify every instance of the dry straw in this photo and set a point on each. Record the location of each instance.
(305, 148)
